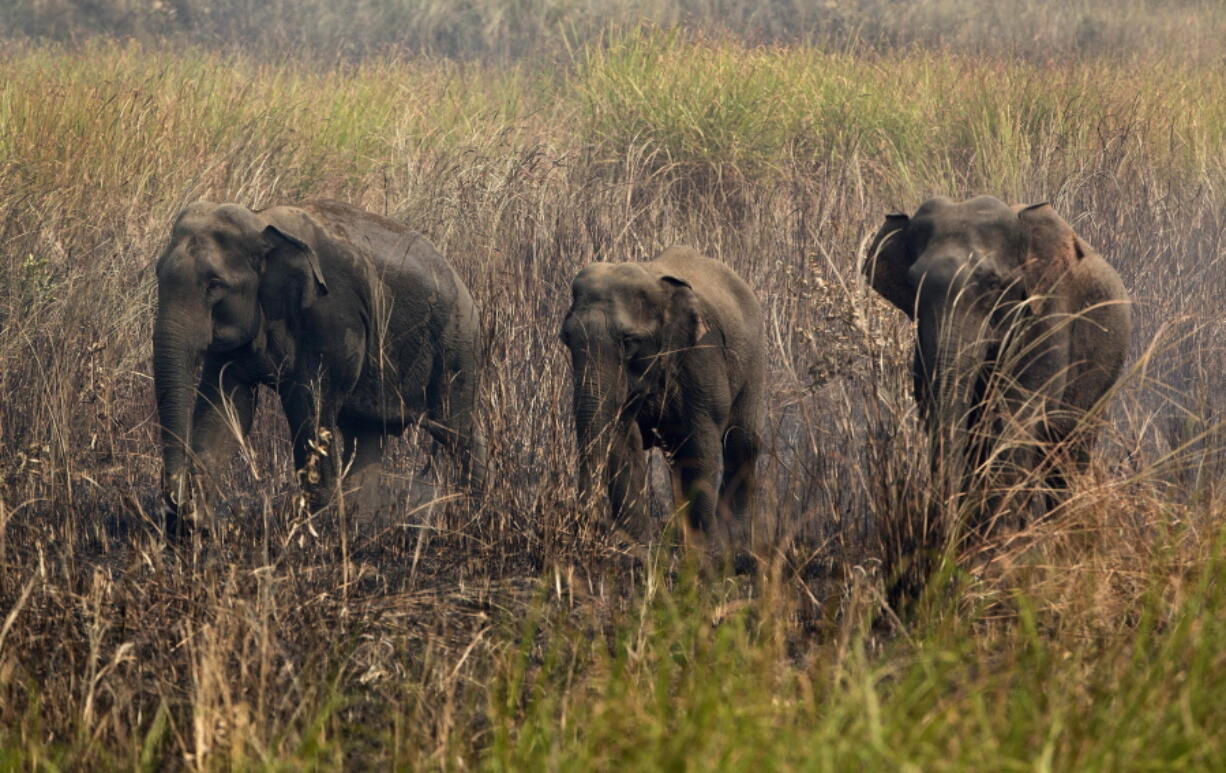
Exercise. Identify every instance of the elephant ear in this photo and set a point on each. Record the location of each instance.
(887, 263)
(684, 311)
(1052, 247)
(291, 277)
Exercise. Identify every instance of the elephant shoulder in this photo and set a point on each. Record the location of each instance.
(1094, 282)
(679, 255)
(294, 220)
(346, 223)
(375, 240)
(304, 223)
(729, 301)
(1103, 327)
(705, 275)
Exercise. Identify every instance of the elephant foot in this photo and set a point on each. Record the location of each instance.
(180, 524)
(174, 527)
(744, 563)
(180, 510)
(625, 540)
(694, 540)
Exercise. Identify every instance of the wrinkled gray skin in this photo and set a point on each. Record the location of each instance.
(668, 354)
(358, 323)
(1022, 328)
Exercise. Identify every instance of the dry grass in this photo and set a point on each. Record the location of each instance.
(513, 633)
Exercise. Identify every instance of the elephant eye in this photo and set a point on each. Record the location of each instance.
(214, 287)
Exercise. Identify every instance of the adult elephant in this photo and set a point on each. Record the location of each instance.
(357, 322)
(1022, 329)
(668, 354)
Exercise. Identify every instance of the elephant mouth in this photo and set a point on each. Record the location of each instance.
(221, 345)
(232, 338)
(636, 400)
(217, 346)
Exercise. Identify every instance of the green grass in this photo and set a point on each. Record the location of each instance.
(720, 109)
(513, 634)
(688, 684)
(705, 108)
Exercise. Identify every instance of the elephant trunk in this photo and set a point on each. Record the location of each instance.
(956, 376)
(595, 414)
(177, 350)
(600, 394)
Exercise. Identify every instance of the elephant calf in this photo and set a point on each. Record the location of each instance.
(668, 354)
(1021, 329)
(358, 323)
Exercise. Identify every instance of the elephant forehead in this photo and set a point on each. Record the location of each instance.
(192, 254)
(952, 271)
(619, 313)
(237, 217)
(213, 225)
(952, 244)
(984, 225)
(977, 206)
(614, 282)
(605, 275)
(989, 205)
(614, 312)
(192, 223)
(937, 269)
(182, 256)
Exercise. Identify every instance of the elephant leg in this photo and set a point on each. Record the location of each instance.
(222, 414)
(465, 447)
(470, 454)
(311, 413)
(697, 466)
(626, 477)
(737, 490)
(1070, 458)
(362, 455)
(1012, 487)
(450, 421)
(741, 448)
(224, 410)
(1056, 487)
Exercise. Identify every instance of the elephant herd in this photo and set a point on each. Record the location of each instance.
(363, 329)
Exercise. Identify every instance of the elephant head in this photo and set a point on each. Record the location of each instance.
(981, 280)
(226, 272)
(625, 328)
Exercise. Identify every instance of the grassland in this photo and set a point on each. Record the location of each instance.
(514, 634)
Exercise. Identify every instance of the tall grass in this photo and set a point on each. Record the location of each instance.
(515, 633)
(721, 107)
(694, 684)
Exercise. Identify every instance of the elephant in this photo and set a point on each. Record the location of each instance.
(668, 353)
(358, 323)
(1022, 328)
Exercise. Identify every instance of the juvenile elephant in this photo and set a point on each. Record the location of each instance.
(358, 323)
(1022, 328)
(669, 354)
